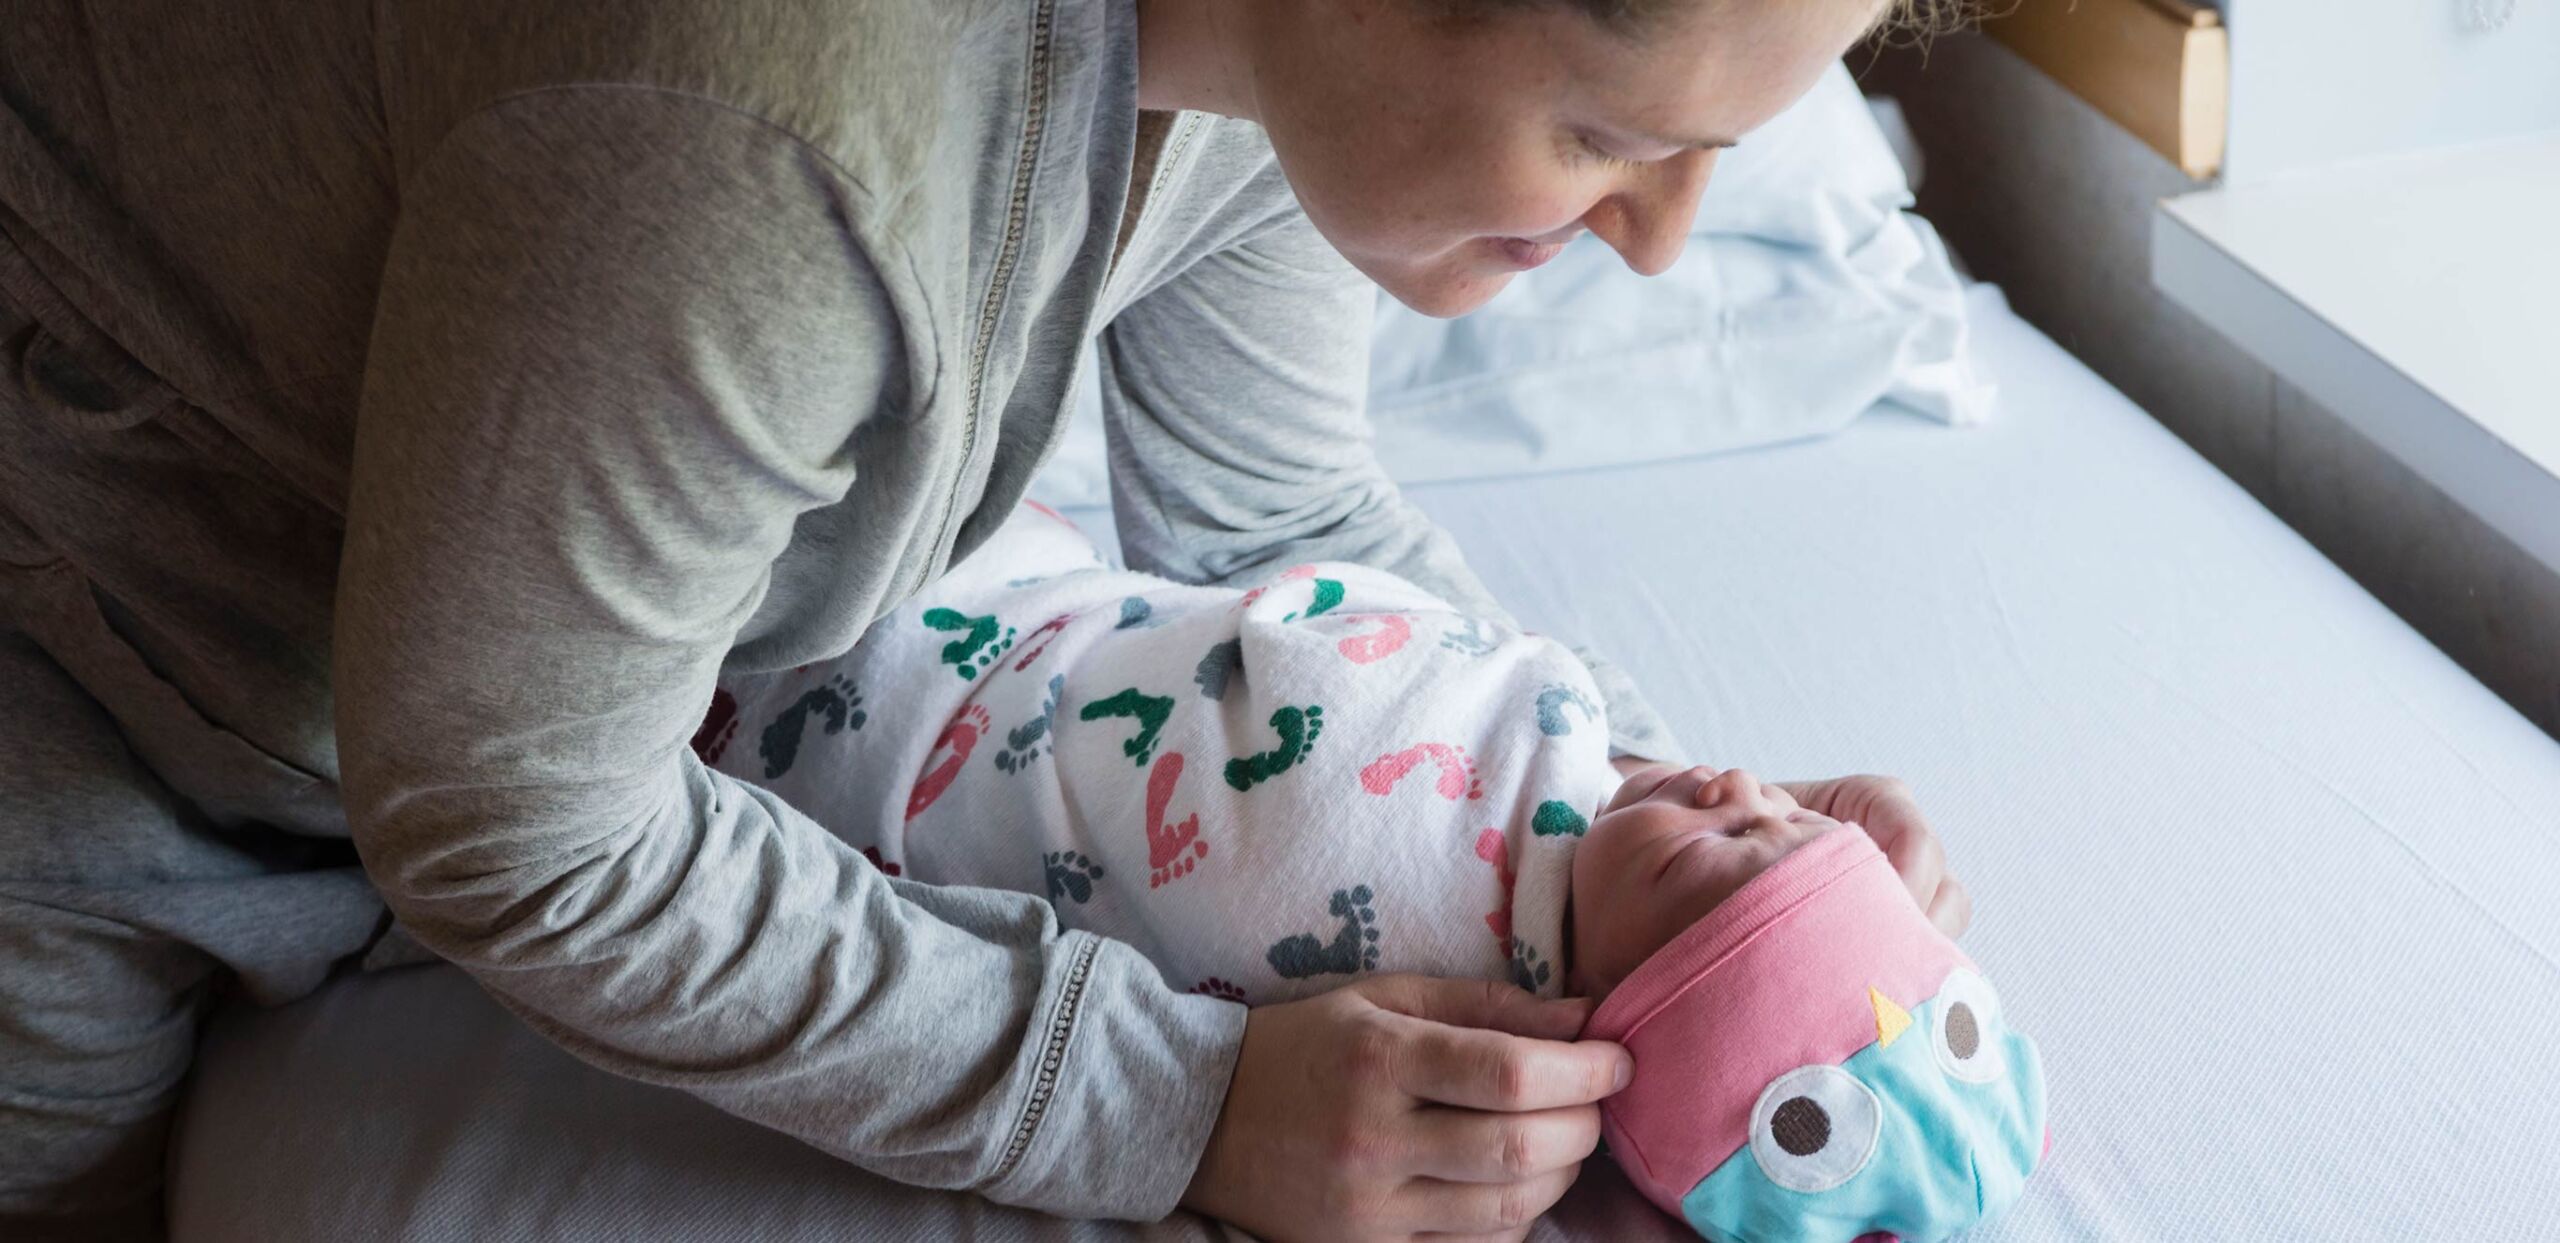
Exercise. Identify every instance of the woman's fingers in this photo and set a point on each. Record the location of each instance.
(1358, 1159)
(1885, 808)
(1502, 1210)
(1952, 909)
(1915, 854)
(1472, 1068)
(1490, 1004)
(1470, 1146)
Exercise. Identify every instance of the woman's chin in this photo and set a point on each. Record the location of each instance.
(1444, 294)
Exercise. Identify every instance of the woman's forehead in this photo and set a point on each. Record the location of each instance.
(1709, 74)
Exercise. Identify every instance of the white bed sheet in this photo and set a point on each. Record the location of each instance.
(2270, 879)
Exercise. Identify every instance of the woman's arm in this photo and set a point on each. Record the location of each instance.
(624, 341)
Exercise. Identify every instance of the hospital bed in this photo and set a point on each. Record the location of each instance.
(2274, 883)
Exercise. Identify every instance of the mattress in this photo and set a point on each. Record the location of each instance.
(2268, 878)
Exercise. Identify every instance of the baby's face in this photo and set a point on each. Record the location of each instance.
(1671, 845)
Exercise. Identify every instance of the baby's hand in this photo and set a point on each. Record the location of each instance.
(1630, 765)
(1884, 807)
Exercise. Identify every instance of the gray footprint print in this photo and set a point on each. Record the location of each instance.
(1553, 721)
(1024, 742)
(1471, 640)
(1217, 667)
(1137, 614)
(1353, 947)
(835, 703)
(1071, 875)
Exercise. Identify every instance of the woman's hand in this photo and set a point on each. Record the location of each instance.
(1883, 806)
(1404, 1105)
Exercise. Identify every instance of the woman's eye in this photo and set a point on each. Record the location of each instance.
(1814, 1128)
(1964, 1032)
(1592, 152)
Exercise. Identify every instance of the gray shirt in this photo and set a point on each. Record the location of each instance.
(622, 343)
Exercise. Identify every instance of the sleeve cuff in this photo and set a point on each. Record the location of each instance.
(1134, 1076)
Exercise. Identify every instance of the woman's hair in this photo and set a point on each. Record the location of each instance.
(1900, 19)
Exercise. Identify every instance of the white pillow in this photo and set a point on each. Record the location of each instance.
(1806, 295)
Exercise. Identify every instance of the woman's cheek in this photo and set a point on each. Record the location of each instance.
(1532, 199)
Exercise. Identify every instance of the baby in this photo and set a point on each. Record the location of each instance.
(1271, 791)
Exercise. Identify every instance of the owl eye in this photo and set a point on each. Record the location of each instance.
(1966, 1029)
(1814, 1128)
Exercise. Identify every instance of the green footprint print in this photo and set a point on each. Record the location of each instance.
(1328, 595)
(1352, 948)
(979, 644)
(1071, 875)
(1557, 818)
(1150, 711)
(1297, 729)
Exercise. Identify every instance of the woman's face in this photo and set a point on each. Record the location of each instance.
(1442, 156)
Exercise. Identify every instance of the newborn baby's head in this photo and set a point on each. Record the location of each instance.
(1671, 846)
(1813, 1059)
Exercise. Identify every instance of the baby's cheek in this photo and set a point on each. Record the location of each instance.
(1612, 939)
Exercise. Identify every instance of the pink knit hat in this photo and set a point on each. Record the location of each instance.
(1764, 1040)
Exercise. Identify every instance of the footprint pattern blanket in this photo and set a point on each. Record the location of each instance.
(1265, 791)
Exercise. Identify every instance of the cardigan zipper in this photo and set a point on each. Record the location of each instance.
(1035, 123)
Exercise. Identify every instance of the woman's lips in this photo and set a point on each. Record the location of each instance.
(1521, 253)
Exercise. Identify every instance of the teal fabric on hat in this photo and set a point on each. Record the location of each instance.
(1948, 1152)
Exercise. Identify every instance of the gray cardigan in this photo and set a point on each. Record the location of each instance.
(637, 341)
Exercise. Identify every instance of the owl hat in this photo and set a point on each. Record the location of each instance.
(1814, 1060)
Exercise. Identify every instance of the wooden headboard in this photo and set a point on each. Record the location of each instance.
(2160, 68)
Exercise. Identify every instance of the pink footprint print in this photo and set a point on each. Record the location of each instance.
(1368, 649)
(1493, 848)
(719, 725)
(1457, 770)
(1041, 639)
(1172, 849)
(958, 739)
(1052, 515)
(1293, 574)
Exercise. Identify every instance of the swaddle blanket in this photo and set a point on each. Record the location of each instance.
(1265, 791)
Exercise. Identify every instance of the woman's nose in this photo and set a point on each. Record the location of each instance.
(1647, 220)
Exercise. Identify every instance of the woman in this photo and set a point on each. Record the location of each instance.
(412, 407)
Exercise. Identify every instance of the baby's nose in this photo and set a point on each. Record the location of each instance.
(1734, 786)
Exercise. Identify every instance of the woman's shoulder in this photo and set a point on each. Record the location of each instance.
(888, 93)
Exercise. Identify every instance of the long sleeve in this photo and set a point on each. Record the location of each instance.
(626, 344)
(1233, 405)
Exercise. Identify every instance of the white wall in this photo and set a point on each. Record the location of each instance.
(2317, 81)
